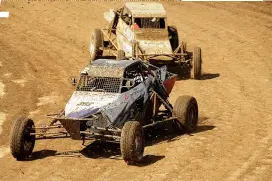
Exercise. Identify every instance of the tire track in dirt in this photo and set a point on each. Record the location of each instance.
(259, 163)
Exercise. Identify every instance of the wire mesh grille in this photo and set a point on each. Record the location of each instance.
(99, 84)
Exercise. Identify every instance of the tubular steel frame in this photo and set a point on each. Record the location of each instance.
(114, 132)
(179, 58)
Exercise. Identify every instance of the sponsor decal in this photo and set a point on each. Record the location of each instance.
(85, 103)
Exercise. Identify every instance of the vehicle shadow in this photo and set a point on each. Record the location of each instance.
(101, 150)
(95, 150)
(203, 128)
(160, 133)
(149, 159)
(108, 150)
(207, 76)
(36, 155)
(183, 73)
(107, 57)
(166, 132)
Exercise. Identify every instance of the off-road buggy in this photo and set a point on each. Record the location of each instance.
(139, 30)
(113, 101)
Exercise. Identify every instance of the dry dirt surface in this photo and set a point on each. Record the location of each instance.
(44, 43)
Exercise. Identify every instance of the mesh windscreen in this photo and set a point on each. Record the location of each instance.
(99, 84)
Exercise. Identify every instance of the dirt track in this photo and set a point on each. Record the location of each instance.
(43, 43)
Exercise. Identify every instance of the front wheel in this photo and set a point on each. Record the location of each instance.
(96, 43)
(132, 142)
(186, 111)
(196, 63)
(22, 142)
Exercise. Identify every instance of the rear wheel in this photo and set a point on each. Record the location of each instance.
(97, 41)
(196, 63)
(22, 143)
(132, 142)
(186, 109)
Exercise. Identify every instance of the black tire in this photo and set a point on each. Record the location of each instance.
(186, 109)
(196, 63)
(132, 142)
(120, 55)
(174, 40)
(97, 41)
(22, 143)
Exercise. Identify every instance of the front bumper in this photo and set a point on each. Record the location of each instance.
(76, 126)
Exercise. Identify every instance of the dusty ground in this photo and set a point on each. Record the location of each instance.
(44, 43)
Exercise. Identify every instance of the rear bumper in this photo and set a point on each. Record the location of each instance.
(165, 58)
(162, 58)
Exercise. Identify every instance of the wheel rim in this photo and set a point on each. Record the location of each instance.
(139, 145)
(28, 139)
(192, 117)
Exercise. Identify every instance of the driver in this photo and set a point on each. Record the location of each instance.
(127, 18)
